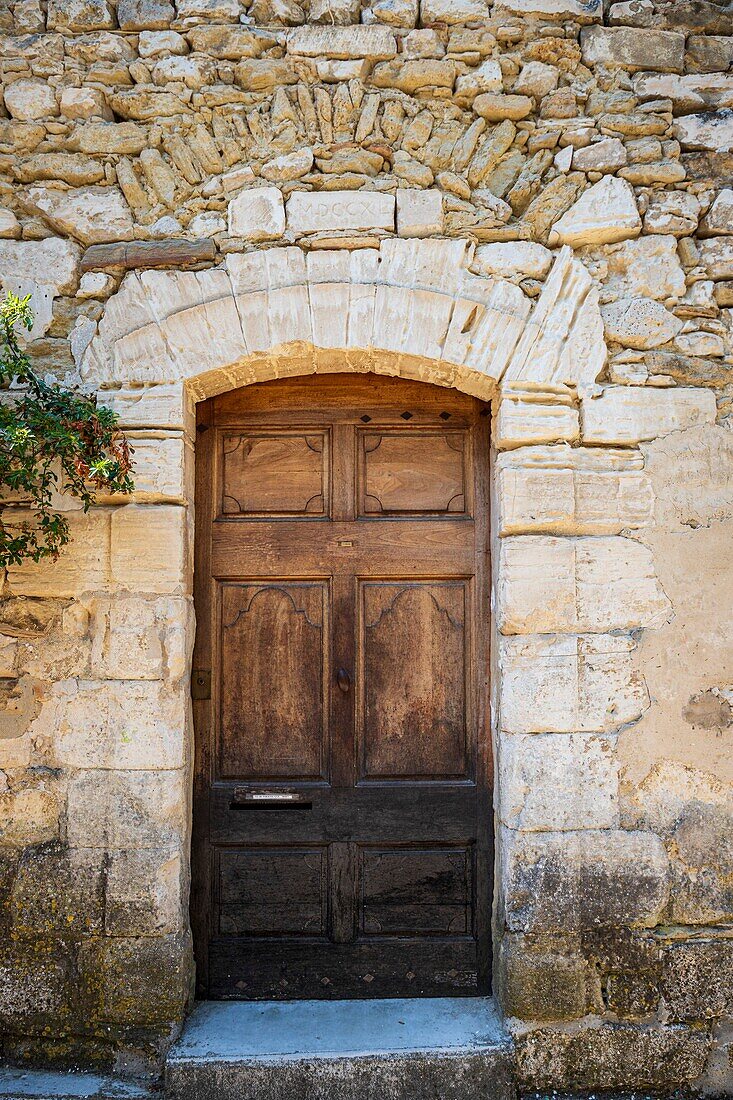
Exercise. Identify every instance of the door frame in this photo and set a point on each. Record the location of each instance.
(204, 702)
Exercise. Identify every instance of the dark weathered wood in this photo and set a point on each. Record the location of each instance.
(141, 254)
(344, 809)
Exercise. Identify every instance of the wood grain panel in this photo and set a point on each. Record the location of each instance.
(266, 892)
(412, 472)
(274, 473)
(414, 656)
(412, 891)
(273, 660)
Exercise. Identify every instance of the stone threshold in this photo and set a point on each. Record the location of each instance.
(401, 1049)
(19, 1084)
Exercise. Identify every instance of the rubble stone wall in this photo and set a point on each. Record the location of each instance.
(530, 201)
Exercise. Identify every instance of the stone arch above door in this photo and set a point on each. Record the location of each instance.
(277, 312)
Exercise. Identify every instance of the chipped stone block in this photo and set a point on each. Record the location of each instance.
(569, 881)
(453, 12)
(709, 130)
(579, 11)
(716, 256)
(568, 585)
(419, 213)
(134, 639)
(603, 214)
(310, 212)
(257, 215)
(655, 51)
(166, 406)
(89, 214)
(144, 15)
(80, 16)
(566, 683)
(675, 212)
(149, 549)
(629, 414)
(719, 218)
(520, 258)
(558, 781)
(563, 490)
(133, 810)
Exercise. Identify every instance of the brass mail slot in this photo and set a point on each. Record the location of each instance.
(270, 799)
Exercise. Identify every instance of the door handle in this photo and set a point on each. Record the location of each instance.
(343, 680)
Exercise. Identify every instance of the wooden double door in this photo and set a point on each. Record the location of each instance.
(342, 816)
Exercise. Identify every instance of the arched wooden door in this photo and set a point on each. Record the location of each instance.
(342, 816)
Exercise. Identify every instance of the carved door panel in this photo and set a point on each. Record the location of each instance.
(342, 815)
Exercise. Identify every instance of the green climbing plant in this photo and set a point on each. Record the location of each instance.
(52, 439)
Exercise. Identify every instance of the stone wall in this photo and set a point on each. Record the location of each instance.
(529, 201)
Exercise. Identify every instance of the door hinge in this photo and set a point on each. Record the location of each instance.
(201, 683)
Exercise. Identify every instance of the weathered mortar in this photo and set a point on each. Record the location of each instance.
(142, 134)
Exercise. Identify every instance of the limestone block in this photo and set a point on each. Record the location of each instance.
(486, 78)
(192, 12)
(163, 467)
(58, 890)
(716, 256)
(154, 44)
(58, 259)
(131, 725)
(83, 103)
(614, 1056)
(144, 15)
(15, 752)
(9, 224)
(521, 422)
(496, 108)
(536, 79)
(82, 567)
(571, 585)
(603, 214)
(518, 259)
(675, 212)
(41, 303)
(30, 99)
(696, 984)
(656, 51)
(194, 72)
(570, 491)
(310, 212)
(343, 43)
(545, 978)
(606, 155)
(719, 218)
(90, 214)
(565, 683)
(411, 77)
(290, 166)
(639, 323)
(419, 213)
(647, 267)
(257, 215)
(567, 881)
(28, 816)
(112, 137)
(580, 11)
(563, 340)
(142, 981)
(452, 12)
(79, 16)
(149, 549)
(558, 781)
(628, 414)
(133, 810)
(143, 893)
(692, 92)
(708, 130)
(135, 639)
(166, 406)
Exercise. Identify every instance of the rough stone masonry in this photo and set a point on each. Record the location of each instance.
(531, 200)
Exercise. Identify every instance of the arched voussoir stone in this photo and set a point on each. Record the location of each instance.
(277, 311)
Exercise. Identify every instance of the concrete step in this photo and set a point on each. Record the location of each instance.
(432, 1049)
(19, 1084)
